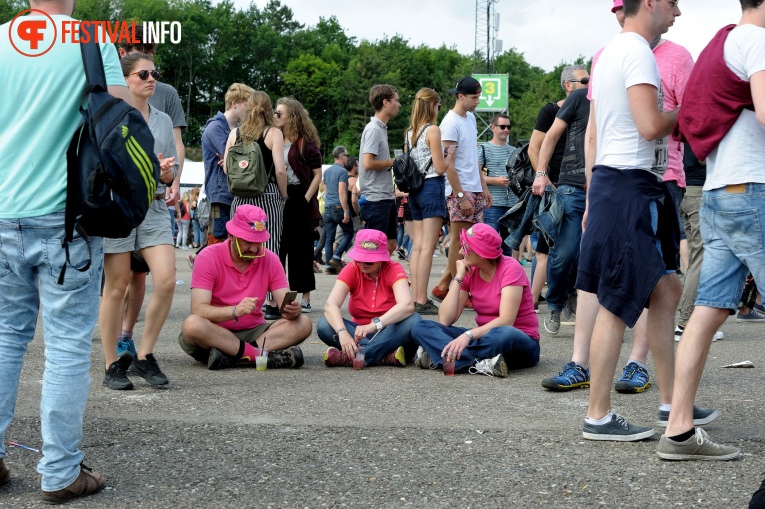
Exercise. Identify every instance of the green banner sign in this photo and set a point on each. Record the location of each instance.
(493, 92)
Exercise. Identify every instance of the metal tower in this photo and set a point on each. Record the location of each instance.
(486, 43)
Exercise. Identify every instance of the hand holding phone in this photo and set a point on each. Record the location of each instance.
(288, 298)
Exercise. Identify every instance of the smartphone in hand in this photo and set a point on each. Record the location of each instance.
(291, 296)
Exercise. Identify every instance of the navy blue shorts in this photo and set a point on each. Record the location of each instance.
(430, 200)
(380, 216)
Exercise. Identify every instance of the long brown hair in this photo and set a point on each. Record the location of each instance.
(423, 112)
(259, 115)
(298, 122)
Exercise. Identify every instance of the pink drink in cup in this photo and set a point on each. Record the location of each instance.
(448, 367)
(358, 360)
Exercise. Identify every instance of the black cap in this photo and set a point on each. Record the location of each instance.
(467, 86)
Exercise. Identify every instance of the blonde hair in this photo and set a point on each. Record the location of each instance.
(259, 116)
(423, 112)
(238, 92)
(298, 122)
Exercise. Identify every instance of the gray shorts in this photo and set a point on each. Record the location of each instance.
(155, 230)
(248, 336)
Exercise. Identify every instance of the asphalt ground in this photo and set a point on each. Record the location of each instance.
(387, 437)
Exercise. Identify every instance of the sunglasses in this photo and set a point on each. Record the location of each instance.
(278, 114)
(261, 252)
(503, 127)
(144, 75)
(583, 81)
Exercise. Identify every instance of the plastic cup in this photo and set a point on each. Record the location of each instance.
(358, 360)
(448, 367)
(261, 361)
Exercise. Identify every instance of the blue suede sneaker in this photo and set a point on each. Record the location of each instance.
(634, 379)
(126, 345)
(572, 376)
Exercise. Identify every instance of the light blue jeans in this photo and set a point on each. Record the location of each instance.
(31, 258)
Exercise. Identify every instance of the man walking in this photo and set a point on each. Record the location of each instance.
(50, 88)
(337, 210)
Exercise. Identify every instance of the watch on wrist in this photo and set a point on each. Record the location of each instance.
(378, 324)
(541, 174)
(469, 335)
(460, 195)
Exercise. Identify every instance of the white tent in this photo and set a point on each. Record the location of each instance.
(193, 174)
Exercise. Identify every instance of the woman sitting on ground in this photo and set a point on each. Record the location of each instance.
(380, 304)
(507, 332)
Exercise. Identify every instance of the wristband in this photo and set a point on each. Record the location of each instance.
(457, 279)
(338, 331)
(233, 314)
(541, 174)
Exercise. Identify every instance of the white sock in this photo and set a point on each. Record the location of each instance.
(602, 421)
(665, 407)
(639, 364)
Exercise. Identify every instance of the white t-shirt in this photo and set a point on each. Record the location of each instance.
(626, 61)
(463, 130)
(739, 156)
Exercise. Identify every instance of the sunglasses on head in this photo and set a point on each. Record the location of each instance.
(503, 127)
(583, 81)
(144, 75)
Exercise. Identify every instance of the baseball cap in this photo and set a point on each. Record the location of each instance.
(467, 86)
(617, 5)
(249, 224)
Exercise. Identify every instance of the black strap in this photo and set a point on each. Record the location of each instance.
(91, 59)
(409, 149)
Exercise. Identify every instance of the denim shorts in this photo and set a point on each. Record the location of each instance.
(430, 200)
(153, 231)
(380, 216)
(732, 222)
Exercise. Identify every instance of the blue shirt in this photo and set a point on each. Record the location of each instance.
(214, 140)
(332, 178)
(39, 112)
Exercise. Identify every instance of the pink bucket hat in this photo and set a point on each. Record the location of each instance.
(249, 223)
(370, 246)
(483, 240)
(617, 4)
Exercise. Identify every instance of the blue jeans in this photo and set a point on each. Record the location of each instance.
(564, 256)
(491, 217)
(387, 341)
(223, 212)
(519, 350)
(332, 218)
(197, 232)
(31, 258)
(732, 230)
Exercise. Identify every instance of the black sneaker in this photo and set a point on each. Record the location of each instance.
(219, 360)
(149, 370)
(115, 377)
(271, 313)
(331, 271)
(291, 357)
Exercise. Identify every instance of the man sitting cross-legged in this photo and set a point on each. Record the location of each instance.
(228, 285)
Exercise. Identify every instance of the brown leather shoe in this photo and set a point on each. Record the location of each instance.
(5, 474)
(87, 483)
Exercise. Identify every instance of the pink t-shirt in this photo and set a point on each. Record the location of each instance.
(675, 65)
(485, 296)
(371, 298)
(214, 270)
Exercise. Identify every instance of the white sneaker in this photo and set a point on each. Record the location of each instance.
(422, 359)
(679, 333)
(718, 335)
(496, 366)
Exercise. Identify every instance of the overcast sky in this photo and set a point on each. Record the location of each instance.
(545, 31)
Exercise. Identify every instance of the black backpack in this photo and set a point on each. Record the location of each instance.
(112, 171)
(519, 170)
(406, 174)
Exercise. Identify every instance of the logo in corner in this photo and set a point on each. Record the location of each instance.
(27, 34)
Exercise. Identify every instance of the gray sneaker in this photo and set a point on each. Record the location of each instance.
(567, 317)
(616, 430)
(422, 359)
(496, 366)
(701, 416)
(429, 308)
(698, 447)
(552, 322)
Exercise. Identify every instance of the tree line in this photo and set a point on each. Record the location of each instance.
(329, 72)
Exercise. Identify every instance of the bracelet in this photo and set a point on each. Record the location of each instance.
(541, 174)
(233, 315)
(457, 279)
(338, 331)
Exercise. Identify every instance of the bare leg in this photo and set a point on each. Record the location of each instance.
(282, 334)
(540, 276)
(640, 345)
(691, 356)
(587, 308)
(391, 245)
(661, 326)
(161, 261)
(133, 300)
(421, 260)
(454, 252)
(604, 355)
(116, 279)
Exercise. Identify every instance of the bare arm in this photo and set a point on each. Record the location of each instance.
(369, 162)
(440, 163)
(535, 144)
(650, 122)
(342, 191)
(546, 151)
(590, 153)
(275, 141)
(451, 171)
(173, 193)
(334, 317)
(121, 92)
(757, 84)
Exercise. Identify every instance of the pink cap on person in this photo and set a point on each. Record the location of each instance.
(617, 4)
(370, 246)
(483, 240)
(249, 224)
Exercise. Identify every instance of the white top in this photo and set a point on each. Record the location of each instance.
(421, 152)
(463, 130)
(626, 61)
(739, 156)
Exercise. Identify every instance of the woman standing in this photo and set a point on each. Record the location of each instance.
(301, 212)
(427, 204)
(183, 218)
(153, 238)
(196, 240)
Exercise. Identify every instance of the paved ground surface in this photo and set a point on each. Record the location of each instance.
(387, 437)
